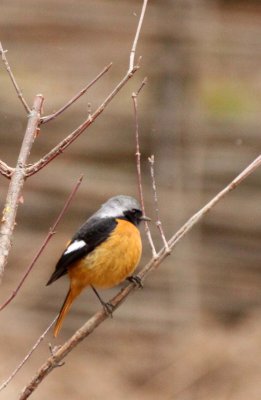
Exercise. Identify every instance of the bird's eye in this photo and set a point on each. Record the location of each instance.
(136, 212)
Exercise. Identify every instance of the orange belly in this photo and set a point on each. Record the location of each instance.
(111, 262)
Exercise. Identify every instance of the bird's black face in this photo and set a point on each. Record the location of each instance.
(134, 216)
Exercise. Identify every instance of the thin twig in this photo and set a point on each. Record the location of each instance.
(196, 217)
(17, 89)
(44, 244)
(143, 83)
(17, 182)
(31, 170)
(134, 45)
(138, 165)
(100, 316)
(158, 222)
(76, 97)
(28, 355)
(5, 170)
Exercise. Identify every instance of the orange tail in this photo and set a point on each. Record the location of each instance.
(63, 312)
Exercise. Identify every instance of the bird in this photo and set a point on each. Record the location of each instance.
(104, 252)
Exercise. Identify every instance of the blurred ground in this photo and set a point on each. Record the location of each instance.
(194, 331)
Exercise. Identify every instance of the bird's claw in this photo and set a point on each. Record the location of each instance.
(136, 280)
(108, 308)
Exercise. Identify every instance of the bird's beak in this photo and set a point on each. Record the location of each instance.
(144, 218)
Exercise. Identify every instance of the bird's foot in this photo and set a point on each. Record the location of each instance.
(108, 308)
(136, 280)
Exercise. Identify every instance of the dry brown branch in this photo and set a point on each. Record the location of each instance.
(44, 244)
(31, 170)
(16, 183)
(138, 164)
(158, 222)
(17, 89)
(76, 97)
(28, 355)
(134, 45)
(100, 316)
(196, 217)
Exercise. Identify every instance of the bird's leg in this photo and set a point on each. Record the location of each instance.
(135, 279)
(108, 307)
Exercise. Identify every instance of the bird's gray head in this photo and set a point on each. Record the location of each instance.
(121, 207)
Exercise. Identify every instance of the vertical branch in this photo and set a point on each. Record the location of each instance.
(17, 182)
(138, 165)
(158, 222)
(135, 41)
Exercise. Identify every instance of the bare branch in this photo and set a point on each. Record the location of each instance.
(134, 45)
(16, 184)
(28, 355)
(31, 170)
(17, 89)
(5, 170)
(196, 217)
(44, 244)
(158, 222)
(100, 316)
(143, 83)
(138, 166)
(76, 97)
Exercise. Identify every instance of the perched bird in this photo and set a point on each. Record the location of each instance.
(103, 252)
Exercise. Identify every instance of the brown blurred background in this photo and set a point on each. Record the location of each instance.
(194, 332)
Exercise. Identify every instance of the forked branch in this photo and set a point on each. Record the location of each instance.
(92, 117)
(33, 169)
(5, 170)
(76, 97)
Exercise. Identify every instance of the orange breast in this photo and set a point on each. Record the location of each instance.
(112, 261)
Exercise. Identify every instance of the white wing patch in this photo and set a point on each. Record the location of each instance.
(76, 245)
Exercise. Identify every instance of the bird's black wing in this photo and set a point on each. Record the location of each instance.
(91, 234)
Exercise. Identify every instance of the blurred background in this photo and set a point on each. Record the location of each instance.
(194, 331)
